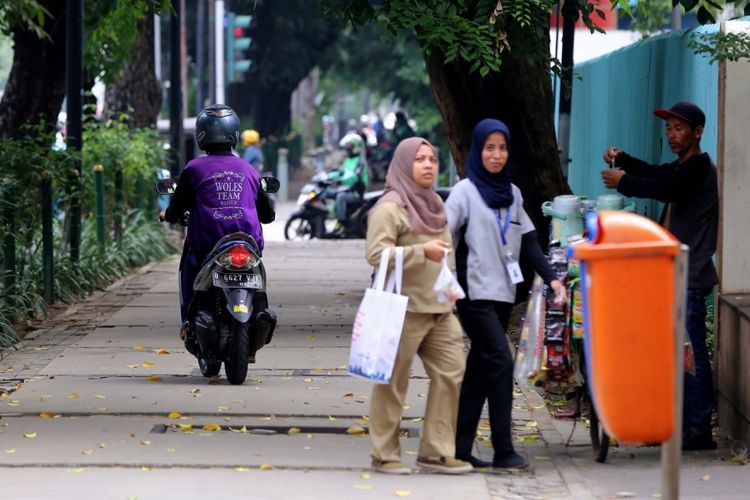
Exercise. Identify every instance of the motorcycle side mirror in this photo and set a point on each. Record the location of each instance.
(270, 184)
(166, 186)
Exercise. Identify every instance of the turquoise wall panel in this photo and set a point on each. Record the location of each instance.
(613, 101)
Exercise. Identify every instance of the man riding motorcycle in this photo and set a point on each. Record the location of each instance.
(223, 196)
(352, 176)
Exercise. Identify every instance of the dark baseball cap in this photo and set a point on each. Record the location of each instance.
(685, 111)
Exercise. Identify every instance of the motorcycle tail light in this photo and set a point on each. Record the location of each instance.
(238, 256)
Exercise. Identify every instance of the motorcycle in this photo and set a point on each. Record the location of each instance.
(229, 316)
(316, 206)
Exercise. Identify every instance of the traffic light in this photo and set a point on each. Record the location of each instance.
(238, 41)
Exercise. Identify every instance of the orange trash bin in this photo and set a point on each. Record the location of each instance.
(632, 289)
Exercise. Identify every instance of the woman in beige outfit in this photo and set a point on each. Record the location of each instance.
(411, 215)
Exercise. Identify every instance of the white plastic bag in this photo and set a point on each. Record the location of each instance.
(378, 325)
(447, 288)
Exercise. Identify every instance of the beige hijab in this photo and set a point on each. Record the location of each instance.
(425, 207)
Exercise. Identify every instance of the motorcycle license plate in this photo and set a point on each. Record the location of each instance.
(237, 280)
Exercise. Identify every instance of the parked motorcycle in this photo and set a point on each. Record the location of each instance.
(316, 206)
(229, 316)
(315, 215)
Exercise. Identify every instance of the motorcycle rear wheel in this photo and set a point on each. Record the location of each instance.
(209, 368)
(300, 228)
(239, 353)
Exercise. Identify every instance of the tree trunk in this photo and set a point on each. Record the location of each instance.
(36, 84)
(137, 92)
(272, 111)
(524, 103)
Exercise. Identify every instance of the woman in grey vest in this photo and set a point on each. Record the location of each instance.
(491, 231)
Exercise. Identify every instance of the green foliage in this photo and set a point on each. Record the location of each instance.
(479, 32)
(721, 46)
(25, 162)
(111, 33)
(137, 153)
(651, 16)
(27, 13)
(366, 59)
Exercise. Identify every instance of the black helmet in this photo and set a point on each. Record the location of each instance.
(217, 124)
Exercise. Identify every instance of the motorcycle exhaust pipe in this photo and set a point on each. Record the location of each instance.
(264, 323)
(263, 318)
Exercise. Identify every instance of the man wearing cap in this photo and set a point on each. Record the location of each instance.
(689, 189)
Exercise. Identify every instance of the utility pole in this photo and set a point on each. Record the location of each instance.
(219, 52)
(175, 90)
(200, 57)
(74, 109)
(570, 16)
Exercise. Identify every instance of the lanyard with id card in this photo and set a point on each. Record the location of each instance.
(511, 263)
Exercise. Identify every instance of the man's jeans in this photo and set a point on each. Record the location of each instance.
(698, 402)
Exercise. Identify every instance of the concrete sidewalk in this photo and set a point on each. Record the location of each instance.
(87, 404)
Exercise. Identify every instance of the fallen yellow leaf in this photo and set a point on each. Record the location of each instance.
(74, 395)
(174, 415)
(266, 467)
(293, 430)
(87, 452)
(365, 475)
(211, 427)
(331, 418)
(99, 396)
(311, 337)
(402, 493)
(146, 469)
(14, 402)
(186, 427)
(47, 414)
(223, 408)
(139, 347)
(154, 378)
(148, 364)
(317, 370)
(241, 469)
(355, 429)
(102, 445)
(10, 451)
(30, 435)
(133, 366)
(161, 352)
(145, 442)
(349, 395)
(307, 380)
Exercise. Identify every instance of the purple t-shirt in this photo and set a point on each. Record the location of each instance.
(224, 190)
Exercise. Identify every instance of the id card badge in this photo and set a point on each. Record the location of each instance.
(514, 272)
